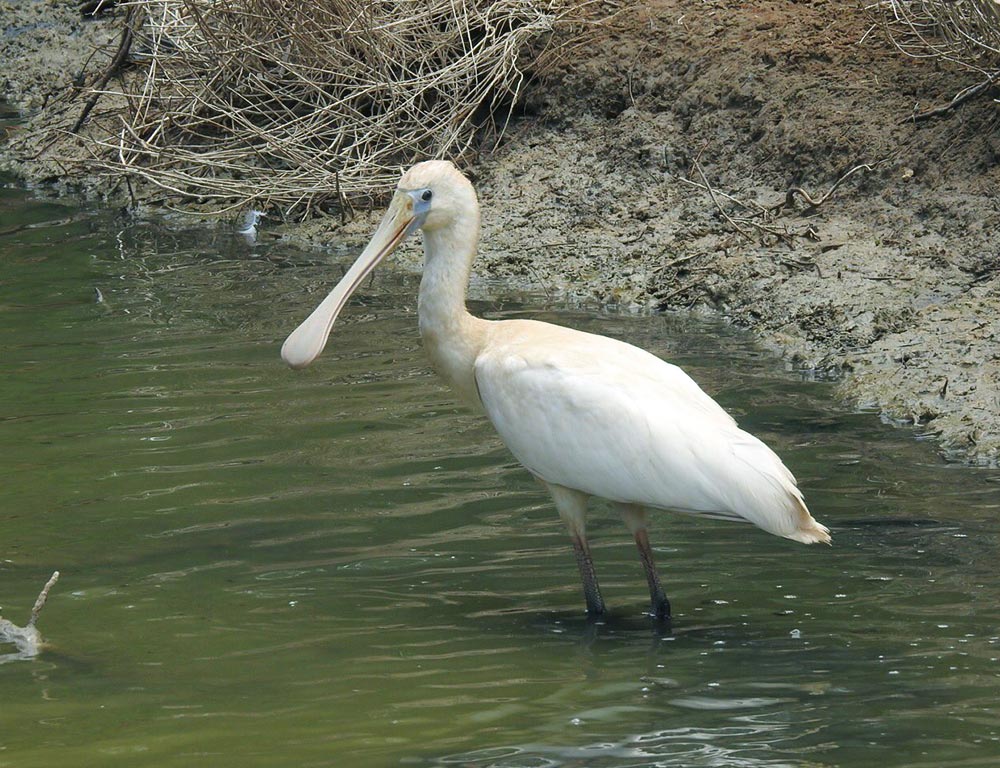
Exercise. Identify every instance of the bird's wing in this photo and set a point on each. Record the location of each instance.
(611, 420)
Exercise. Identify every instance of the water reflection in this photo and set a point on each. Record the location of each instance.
(353, 564)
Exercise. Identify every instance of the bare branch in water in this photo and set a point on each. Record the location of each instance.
(42, 597)
(27, 639)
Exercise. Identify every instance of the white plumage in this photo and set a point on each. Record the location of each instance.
(587, 415)
(611, 420)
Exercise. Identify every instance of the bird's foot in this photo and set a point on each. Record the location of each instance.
(595, 606)
(660, 609)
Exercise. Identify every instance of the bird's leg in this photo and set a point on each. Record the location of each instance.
(635, 518)
(572, 507)
(659, 604)
(591, 589)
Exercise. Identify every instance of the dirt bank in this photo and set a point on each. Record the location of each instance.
(44, 47)
(641, 173)
(895, 280)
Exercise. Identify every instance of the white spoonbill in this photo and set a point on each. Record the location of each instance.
(585, 414)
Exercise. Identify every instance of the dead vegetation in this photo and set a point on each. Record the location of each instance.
(304, 106)
(27, 640)
(966, 33)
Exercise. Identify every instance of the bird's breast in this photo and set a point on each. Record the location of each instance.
(452, 352)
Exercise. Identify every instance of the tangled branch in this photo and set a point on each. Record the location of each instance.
(27, 640)
(964, 32)
(303, 105)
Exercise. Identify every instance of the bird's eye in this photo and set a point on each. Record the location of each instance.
(426, 196)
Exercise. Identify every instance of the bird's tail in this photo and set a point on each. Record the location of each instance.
(809, 531)
(771, 496)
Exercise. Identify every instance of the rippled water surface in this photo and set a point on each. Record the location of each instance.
(341, 567)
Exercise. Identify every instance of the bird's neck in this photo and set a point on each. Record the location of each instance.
(452, 337)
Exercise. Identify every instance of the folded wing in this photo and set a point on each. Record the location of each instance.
(614, 421)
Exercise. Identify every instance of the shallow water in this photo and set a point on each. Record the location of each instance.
(341, 567)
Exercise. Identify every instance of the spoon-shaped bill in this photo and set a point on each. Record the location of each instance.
(306, 342)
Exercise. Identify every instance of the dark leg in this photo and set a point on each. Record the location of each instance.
(591, 589)
(572, 507)
(659, 605)
(635, 518)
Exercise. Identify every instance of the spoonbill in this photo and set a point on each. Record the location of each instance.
(585, 414)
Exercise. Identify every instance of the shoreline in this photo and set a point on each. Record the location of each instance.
(641, 176)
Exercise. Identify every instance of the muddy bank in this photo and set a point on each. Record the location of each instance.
(45, 45)
(893, 281)
(649, 173)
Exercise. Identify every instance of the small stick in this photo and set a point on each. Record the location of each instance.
(42, 597)
(711, 192)
(783, 235)
(755, 208)
(116, 64)
(680, 260)
(538, 279)
(792, 191)
(662, 300)
(967, 94)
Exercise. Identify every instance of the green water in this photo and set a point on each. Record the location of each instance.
(340, 567)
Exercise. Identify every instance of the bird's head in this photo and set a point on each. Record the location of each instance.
(439, 192)
(431, 195)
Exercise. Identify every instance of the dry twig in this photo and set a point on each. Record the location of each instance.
(117, 62)
(304, 106)
(816, 203)
(715, 199)
(966, 94)
(43, 596)
(966, 33)
(27, 639)
(759, 218)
